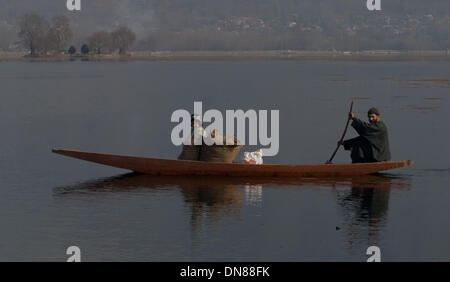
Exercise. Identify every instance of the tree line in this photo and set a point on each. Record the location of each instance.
(104, 42)
(312, 40)
(42, 37)
(176, 29)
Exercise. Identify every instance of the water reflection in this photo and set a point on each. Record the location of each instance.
(363, 201)
(214, 197)
(136, 181)
(365, 206)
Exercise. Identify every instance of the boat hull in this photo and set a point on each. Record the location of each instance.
(155, 166)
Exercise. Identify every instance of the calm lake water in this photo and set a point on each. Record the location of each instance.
(49, 202)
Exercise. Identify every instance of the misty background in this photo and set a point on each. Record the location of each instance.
(247, 25)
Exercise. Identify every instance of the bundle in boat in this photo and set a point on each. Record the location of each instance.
(220, 153)
(190, 152)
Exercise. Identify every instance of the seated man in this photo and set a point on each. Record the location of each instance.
(372, 144)
(192, 152)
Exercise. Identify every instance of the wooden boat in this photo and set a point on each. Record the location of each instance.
(155, 166)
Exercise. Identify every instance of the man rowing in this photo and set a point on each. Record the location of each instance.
(372, 144)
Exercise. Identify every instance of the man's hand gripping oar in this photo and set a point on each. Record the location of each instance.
(350, 116)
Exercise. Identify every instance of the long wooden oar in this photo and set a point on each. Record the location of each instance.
(343, 135)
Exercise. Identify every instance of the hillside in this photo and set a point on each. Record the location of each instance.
(250, 24)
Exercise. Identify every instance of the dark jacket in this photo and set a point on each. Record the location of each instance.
(377, 135)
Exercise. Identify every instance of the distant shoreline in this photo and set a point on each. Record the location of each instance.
(287, 55)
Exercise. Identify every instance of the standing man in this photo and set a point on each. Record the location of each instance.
(372, 144)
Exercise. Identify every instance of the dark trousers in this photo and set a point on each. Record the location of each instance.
(361, 150)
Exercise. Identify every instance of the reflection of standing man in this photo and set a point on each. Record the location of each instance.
(372, 144)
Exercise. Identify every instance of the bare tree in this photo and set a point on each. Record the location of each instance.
(85, 49)
(123, 39)
(33, 32)
(60, 33)
(101, 42)
(72, 50)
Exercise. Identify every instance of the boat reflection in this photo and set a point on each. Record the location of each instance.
(364, 206)
(364, 209)
(136, 181)
(216, 197)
